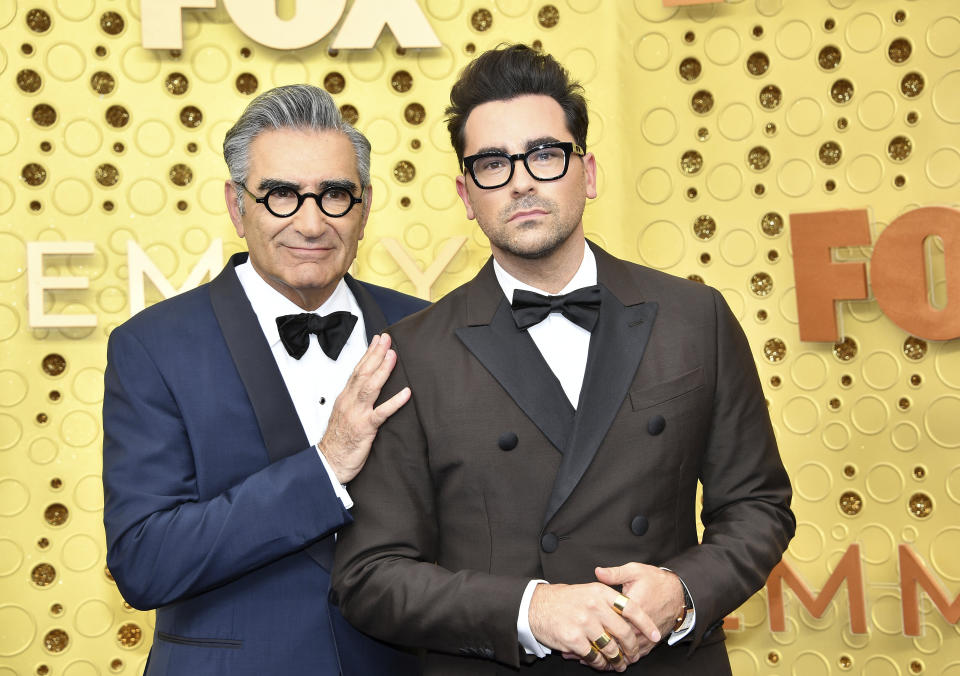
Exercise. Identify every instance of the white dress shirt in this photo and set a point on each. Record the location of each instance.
(314, 380)
(564, 347)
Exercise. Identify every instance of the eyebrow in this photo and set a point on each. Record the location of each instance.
(268, 184)
(344, 183)
(528, 145)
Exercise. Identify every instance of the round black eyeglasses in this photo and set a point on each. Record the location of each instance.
(283, 201)
(546, 162)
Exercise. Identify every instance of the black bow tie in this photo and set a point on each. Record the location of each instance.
(331, 330)
(582, 307)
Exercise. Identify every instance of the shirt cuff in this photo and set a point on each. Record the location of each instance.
(529, 644)
(691, 618)
(338, 487)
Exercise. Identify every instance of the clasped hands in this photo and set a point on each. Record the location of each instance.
(604, 629)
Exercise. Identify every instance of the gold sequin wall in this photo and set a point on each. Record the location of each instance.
(711, 125)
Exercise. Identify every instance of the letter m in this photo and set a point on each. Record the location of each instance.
(913, 574)
(847, 569)
(140, 266)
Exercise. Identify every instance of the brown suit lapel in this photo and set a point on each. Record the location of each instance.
(616, 347)
(512, 358)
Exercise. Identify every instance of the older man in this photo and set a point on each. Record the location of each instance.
(234, 417)
(566, 405)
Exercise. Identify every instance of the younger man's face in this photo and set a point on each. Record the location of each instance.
(525, 218)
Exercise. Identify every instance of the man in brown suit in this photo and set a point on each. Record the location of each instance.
(537, 501)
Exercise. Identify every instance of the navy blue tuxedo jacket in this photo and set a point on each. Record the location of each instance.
(218, 511)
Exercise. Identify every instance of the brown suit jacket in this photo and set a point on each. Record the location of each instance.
(489, 478)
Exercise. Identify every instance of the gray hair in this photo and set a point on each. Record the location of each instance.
(289, 107)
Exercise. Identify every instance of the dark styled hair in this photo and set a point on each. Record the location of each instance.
(509, 71)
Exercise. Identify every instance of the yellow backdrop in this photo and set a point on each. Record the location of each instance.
(711, 125)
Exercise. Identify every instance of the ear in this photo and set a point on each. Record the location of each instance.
(464, 197)
(590, 174)
(367, 206)
(230, 196)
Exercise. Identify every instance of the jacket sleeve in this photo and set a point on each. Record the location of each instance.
(746, 491)
(166, 541)
(385, 573)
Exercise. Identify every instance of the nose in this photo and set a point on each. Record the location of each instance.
(309, 221)
(521, 183)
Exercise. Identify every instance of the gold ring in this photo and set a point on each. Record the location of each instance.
(619, 604)
(616, 658)
(601, 643)
(592, 655)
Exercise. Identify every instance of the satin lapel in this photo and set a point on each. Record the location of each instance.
(616, 347)
(276, 415)
(512, 358)
(374, 321)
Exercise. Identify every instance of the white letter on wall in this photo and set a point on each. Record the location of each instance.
(423, 281)
(37, 283)
(160, 22)
(259, 21)
(140, 266)
(367, 18)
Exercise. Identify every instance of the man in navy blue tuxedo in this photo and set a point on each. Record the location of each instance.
(235, 414)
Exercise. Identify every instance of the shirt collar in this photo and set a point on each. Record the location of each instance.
(586, 275)
(268, 303)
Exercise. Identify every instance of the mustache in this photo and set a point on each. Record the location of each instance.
(525, 203)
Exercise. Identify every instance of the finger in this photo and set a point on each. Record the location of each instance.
(642, 622)
(620, 604)
(372, 348)
(616, 575)
(607, 646)
(390, 406)
(370, 359)
(366, 382)
(594, 658)
(368, 389)
(626, 639)
(618, 662)
(383, 370)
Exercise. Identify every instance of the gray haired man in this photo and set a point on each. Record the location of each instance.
(235, 414)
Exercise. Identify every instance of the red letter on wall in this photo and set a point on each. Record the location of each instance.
(820, 281)
(913, 573)
(847, 569)
(898, 273)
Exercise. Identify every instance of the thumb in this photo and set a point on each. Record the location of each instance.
(610, 576)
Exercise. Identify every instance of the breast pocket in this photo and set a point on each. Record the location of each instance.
(664, 392)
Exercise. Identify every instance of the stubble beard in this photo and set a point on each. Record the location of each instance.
(554, 233)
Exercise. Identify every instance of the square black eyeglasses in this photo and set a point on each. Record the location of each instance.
(546, 162)
(283, 201)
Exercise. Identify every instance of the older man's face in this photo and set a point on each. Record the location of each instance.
(305, 255)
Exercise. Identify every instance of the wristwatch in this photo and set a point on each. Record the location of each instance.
(684, 617)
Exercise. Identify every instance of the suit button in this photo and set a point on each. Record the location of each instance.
(656, 424)
(639, 525)
(549, 543)
(508, 441)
